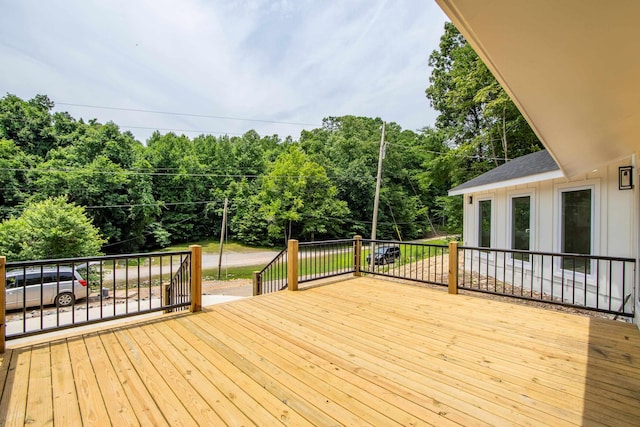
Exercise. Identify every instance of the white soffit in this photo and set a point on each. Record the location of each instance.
(571, 66)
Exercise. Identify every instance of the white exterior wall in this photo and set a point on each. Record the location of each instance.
(615, 228)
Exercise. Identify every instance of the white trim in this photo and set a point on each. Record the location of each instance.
(478, 228)
(509, 183)
(594, 186)
(532, 230)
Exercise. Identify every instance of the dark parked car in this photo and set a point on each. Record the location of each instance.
(385, 254)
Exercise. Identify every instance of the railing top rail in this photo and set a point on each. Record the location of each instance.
(273, 261)
(398, 242)
(555, 254)
(94, 258)
(325, 242)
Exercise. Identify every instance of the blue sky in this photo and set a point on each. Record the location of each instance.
(273, 60)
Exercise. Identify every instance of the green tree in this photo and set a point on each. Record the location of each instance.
(476, 114)
(246, 222)
(181, 185)
(14, 181)
(481, 125)
(98, 170)
(28, 123)
(297, 197)
(49, 229)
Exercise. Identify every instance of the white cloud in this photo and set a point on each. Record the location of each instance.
(293, 61)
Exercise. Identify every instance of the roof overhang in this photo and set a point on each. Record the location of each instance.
(570, 66)
(509, 183)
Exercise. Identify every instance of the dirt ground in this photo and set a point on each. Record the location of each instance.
(235, 287)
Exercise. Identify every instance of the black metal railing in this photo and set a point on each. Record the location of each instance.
(178, 293)
(329, 258)
(273, 277)
(49, 295)
(415, 261)
(604, 284)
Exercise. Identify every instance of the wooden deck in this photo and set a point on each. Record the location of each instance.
(357, 352)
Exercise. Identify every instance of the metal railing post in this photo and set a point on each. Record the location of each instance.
(256, 283)
(3, 326)
(166, 296)
(453, 267)
(196, 277)
(292, 265)
(357, 255)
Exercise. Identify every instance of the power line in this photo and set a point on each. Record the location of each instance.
(171, 113)
(147, 233)
(132, 172)
(159, 204)
(181, 130)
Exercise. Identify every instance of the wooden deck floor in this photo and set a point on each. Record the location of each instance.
(358, 352)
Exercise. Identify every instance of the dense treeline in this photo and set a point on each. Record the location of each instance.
(171, 189)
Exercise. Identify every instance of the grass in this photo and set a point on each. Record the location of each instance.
(231, 273)
(341, 261)
(327, 262)
(213, 246)
(437, 242)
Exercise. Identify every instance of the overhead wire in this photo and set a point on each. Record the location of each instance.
(133, 172)
(159, 204)
(206, 132)
(173, 113)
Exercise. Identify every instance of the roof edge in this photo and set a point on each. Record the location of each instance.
(509, 183)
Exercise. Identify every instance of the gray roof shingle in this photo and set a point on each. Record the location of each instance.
(530, 164)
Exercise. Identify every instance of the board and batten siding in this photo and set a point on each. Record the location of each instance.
(615, 228)
(615, 214)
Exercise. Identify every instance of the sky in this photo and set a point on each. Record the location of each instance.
(222, 67)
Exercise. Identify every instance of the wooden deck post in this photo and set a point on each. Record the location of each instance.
(256, 283)
(453, 267)
(3, 326)
(292, 265)
(357, 255)
(196, 277)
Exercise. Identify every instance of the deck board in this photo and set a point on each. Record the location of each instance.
(40, 396)
(358, 352)
(66, 410)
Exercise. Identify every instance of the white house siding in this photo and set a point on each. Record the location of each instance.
(614, 233)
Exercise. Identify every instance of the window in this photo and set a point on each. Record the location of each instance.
(12, 282)
(576, 228)
(484, 224)
(521, 225)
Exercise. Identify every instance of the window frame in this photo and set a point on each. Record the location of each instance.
(491, 222)
(510, 197)
(592, 185)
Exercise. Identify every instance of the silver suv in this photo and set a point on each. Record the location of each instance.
(32, 287)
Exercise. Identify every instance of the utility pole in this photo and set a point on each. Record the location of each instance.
(376, 200)
(224, 227)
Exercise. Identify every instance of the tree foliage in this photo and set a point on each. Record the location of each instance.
(49, 229)
(476, 114)
(172, 188)
(297, 197)
(481, 125)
